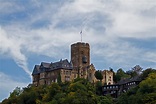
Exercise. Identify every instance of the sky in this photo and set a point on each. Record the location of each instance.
(121, 34)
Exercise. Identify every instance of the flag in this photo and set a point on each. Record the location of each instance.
(81, 32)
(81, 35)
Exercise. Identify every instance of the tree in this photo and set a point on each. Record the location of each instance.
(52, 90)
(105, 100)
(59, 79)
(131, 73)
(148, 85)
(98, 88)
(17, 91)
(76, 86)
(98, 75)
(120, 75)
(137, 69)
(146, 72)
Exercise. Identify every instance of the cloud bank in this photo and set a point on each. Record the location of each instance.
(110, 26)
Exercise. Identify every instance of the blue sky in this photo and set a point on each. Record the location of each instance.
(121, 33)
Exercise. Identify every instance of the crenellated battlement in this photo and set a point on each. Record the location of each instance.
(80, 44)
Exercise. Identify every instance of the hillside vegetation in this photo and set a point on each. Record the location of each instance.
(80, 91)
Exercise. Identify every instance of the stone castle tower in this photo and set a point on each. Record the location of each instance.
(80, 54)
(78, 67)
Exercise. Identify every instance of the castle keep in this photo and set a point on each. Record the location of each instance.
(80, 54)
(78, 67)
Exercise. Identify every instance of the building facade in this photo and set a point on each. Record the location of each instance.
(63, 70)
(122, 86)
(107, 77)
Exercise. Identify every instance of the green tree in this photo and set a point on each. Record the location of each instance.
(17, 91)
(148, 85)
(146, 72)
(98, 88)
(98, 84)
(59, 79)
(98, 75)
(51, 91)
(121, 74)
(105, 100)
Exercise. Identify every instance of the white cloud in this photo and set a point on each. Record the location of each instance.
(7, 85)
(11, 45)
(151, 56)
(115, 18)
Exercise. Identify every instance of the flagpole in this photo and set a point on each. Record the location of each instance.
(81, 35)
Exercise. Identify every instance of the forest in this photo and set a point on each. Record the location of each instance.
(81, 91)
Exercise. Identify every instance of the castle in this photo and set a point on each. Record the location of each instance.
(78, 67)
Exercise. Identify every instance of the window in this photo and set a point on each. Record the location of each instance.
(112, 92)
(42, 75)
(67, 78)
(84, 59)
(56, 80)
(66, 72)
(61, 72)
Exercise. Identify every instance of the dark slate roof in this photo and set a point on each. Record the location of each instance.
(62, 64)
(127, 80)
(36, 70)
(45, 65)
